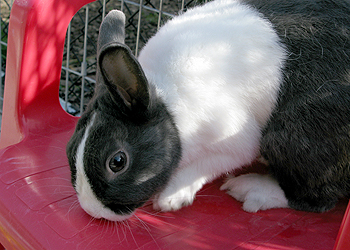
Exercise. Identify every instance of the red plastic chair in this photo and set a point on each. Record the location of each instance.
(38, 206)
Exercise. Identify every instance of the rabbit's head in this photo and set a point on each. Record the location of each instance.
(125, 145)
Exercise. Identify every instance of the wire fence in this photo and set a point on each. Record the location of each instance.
(143, 19)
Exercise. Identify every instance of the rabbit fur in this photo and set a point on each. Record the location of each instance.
(215, 88)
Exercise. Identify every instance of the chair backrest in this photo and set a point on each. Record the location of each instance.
(34, 59)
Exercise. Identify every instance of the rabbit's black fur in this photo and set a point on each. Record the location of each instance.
(307, 139)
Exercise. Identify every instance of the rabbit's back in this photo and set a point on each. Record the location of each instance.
(316, 35)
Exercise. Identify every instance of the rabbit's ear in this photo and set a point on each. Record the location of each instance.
(120, 70)
(124, 77)
(112, 29)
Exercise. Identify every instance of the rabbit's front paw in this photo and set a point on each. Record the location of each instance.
(168, 201)
(176, 196)
(257, 192)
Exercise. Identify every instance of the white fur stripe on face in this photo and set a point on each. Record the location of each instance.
(86, 196)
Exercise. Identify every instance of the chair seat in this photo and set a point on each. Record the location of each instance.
(42, 211)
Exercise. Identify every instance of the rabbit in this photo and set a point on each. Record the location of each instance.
(216, 88)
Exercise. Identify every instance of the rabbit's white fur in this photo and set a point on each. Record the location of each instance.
(218, 68)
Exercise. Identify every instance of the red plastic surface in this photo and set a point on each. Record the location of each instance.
(343, 239)
(38, 206)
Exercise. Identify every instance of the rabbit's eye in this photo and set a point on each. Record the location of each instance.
(117, 162)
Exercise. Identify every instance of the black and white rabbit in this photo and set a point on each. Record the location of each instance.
(215, 88)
